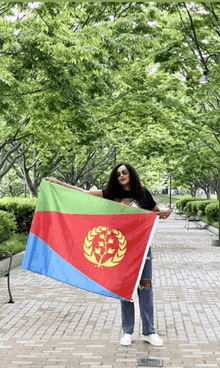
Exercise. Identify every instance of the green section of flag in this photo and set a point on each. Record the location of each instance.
(56, 198)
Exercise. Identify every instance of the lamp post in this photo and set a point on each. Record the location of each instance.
(204, 79)
(216, 242)
(170, 193)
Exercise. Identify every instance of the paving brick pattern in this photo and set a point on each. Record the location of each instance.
(52, 325)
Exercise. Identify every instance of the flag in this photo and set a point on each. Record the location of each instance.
(89, 242)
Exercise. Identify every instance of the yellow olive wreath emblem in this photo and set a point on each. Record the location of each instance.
(99, 255)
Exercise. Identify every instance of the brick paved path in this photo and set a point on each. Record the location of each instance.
(54, 325)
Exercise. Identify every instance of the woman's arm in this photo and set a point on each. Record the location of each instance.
(98, 193)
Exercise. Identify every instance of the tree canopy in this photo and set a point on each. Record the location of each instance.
(85, 83)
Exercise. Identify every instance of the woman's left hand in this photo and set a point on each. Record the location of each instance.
(164, 214)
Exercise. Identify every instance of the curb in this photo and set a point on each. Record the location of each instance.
(209, 227)
(16, 261)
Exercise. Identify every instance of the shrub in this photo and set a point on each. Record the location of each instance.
(184, 202)
(212, 211)
(202, 205)
(7, 225)
(181, 203)
(194, 206)
(23, 210)
(191, 205)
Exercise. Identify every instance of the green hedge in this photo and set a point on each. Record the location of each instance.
(184, 202)
(7, 225)
(181, 203)
(23, 210)
(212, 211)
(210, 208)
(202, 205)
(191, 206)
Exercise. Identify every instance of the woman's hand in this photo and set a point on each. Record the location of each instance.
(55, 181)
(164, 214)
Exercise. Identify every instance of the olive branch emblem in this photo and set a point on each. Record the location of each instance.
(104, 247)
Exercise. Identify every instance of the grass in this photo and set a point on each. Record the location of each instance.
(16, 244)
(212, 223)
(165, 199)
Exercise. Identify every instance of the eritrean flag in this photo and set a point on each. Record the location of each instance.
(89, 242)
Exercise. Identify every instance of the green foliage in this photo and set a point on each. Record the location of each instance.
(201, 206)
(191, 206)
(121, 74)
(11, 186)
(7, 225)
(16, 244)
(23, 210)
(188, 42)
(165, 198)
(191, 203)
(181, 203)
(209, 208)
(212, 223)
(212, 211)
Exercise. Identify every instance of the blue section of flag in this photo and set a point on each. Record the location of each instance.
(40, 258)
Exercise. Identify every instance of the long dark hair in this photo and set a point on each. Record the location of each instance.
(114, 189)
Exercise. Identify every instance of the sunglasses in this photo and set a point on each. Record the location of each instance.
(123, 172)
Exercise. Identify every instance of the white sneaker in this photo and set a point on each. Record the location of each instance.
(153, 339)
(126, 340)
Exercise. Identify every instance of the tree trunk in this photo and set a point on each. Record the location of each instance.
(208, 194)
(193, 190)
(218, 196)
(34, 193)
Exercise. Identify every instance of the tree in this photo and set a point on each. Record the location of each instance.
(89, 167)
(60, 63)
(186, 39)
(9, 149)
(121, 73)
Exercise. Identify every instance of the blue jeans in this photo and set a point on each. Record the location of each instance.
(145, 302)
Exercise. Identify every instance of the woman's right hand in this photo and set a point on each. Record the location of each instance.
(52, 180)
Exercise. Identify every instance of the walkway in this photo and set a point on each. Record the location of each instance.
(52, 325)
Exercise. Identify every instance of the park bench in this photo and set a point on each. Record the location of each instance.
(179, 215)
(195, 219)
(5, 269)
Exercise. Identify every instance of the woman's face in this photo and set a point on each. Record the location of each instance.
(123, 175)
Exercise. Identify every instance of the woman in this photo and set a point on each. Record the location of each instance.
(125, 186)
